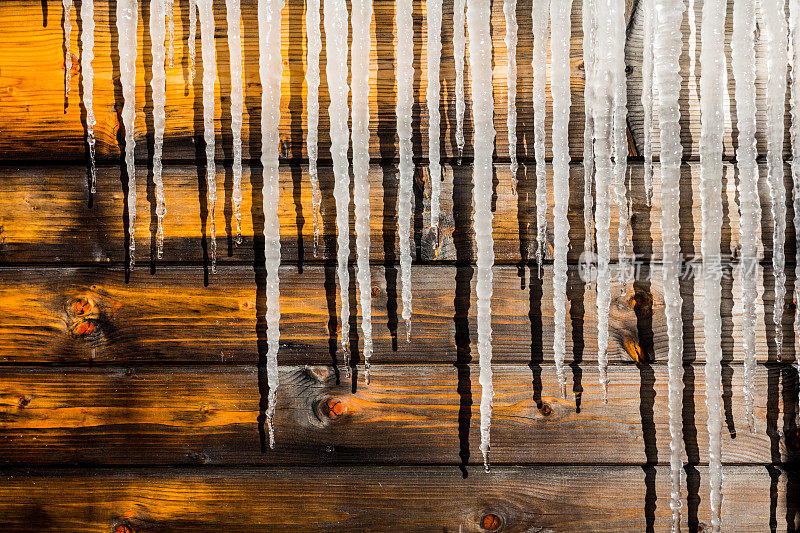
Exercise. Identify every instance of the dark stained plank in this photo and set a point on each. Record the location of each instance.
(46, 216)
(406, 415)
(557, 498)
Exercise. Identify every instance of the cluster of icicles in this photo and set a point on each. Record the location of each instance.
(604, 154)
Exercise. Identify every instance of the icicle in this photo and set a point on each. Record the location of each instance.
(434, 24)
(67, 7)
(237, 106)
(87, 73)
(510, 11)
(171, 17)
(270, 69)
(589, 52)
(336, 70)
(540, 11)
(794, 38)
(480, 56)
(192, 37)
(775, 33)
(647, 99)
(206, 12)
(312, 105)
(560, 32)
(712, 123)
(620, 128)
(127, 19)
(359, 59)
(743, 58)
(158, 85)
(459, 48)
(667, 85)
(405, 100)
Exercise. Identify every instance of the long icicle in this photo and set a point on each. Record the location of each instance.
(459, 49)
(405, 101)
(794, 47)
(87, 74)
(743, 57)
(434, 25)
(560, 32)
(667, 47)
(589, 52)
(192, 37)
(170, 6)
(336, 70)
(127, 19)
(271, 70)
(712, 127)
(158, 84)
(361, 19)
(67, 8)
(312, 105)
(775, 33)
(510, 12)
(480, 57)
(620, 129)
(647, 98)
(206, 13)
(540, 11)
(234, 15)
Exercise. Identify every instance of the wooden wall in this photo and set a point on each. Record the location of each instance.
(131, 400)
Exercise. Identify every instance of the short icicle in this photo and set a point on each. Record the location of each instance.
(540, 11)
(459, 50)
(270, 69)
(616, 15)
(87, 74)
(314, 48)
(127, 19)
(405, 101)
(480, 54)
(667, 47)
(712, 127)
(67, 8)
(336, 29)
(158, 84)
(361, 19)
(510, 12)
(560, 32)
(434, 25)
(206, 13)
(589, 26)
(743, 57)
(647, 98)
(234, 14)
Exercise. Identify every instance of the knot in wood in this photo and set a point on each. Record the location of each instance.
(490, 522)
(545, 409)
(333, 408)
(123, 528)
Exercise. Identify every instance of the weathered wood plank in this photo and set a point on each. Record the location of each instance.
(92, 316)
(407, 415)
(378, 499)
(46, 216)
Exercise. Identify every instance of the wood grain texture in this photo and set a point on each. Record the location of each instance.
(420, 414)
(564, 499)
(46, 215)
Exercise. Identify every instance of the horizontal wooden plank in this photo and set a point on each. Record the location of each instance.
(92, 316)
(406, 415)
(544, 498)
(46, 216)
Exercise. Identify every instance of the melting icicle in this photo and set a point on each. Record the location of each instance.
(794, 39)
(589, 43)
(405, 100)
(480, 56)
(359, 59)
(510, 11)
(237, 107)
(171, 18)
(620, 128)
(712, 127)
(560, 32)
(540, 11)
(647, 99)
(667, 85)
(775, 34)
(206, 12)
(743, 58)
(336, 70)
(87, 73)
(270, 67)
(127, 19)
(158, 84)
(67, 6)
(312, 105)
(434, 24)
(459, 49)
(192, 37)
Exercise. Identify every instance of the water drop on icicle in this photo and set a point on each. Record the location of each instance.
(67, 8)
(434, 25)
(271, 70)
(405, 101)
(480, 54)
(237, 107)
(560, 32)
(589, 52)
(87, 74)
(192, 37)
(170, 6)
(206, 12)
(158, 85)
(361, 18)
(314, 48)
(459, 49)
(540, 11)
(510, 11)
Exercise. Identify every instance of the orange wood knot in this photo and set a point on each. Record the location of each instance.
(490, 522)
(82, 306)
(24, 401)
(793, 440)
(123, 528)
(375, 292)
(333, 408)
(545, 409)
(84, 329)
